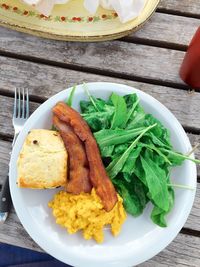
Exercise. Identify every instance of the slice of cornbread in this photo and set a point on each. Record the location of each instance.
(42, 162)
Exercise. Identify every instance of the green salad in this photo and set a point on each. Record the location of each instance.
(136, 151)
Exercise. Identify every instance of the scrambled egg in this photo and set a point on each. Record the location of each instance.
(85, 212)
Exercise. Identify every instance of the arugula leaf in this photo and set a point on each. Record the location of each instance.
(120, 114)
(137, 120)
(159, 135)
(129, 165)
(157, 150)
(181, 186)
(134, 200)
(107, 151)
(178, 158)
(158, 141)
(107, 137)
(158, 215)
(136, 151)
(127, 176)
(140, 190)
(156, 181)
(132, 102)
(139, 171)
(130, 201)
(120, 149)
(99, 116)
(91, 98)
(98, 120)
(87, 107)
(70, 99)
(136, 114)
(114, 168)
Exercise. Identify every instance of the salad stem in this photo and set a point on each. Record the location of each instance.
(180, 155)
(181, 186)
(194, 148)
(89, 96)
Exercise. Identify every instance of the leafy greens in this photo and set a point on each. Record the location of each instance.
(136, 151)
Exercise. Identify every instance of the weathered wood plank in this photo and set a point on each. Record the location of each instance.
(194, 217)
(5, 148)
(192, 222)
(13, 233)
(195, 139)
(181, 6)
(167, 29)
(45, 81)
(118, 58)
(184, 251)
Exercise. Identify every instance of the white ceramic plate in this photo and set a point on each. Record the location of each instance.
(140, 239)
(71, 21)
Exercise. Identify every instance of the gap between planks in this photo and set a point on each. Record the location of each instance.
(155, 43)
(184, 8)
(177, 13)
(187, 231)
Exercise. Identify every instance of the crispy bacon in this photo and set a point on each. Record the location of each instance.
(79, 180)
(98, 175)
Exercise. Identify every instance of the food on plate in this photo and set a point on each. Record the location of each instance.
(119, 159)
(86, 212)
(36, 161)
(126, 10)
(98, 176)
(79, 181)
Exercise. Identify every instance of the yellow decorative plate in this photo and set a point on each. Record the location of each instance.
(71, 21)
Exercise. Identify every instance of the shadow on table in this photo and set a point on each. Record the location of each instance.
(11, 256)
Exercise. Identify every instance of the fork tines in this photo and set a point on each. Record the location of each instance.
(21, 103)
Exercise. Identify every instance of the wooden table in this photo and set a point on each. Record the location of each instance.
(149, 60)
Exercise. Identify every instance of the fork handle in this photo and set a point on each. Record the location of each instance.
(14, 139)
(5, 198)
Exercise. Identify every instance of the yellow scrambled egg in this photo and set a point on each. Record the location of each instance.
(85, 212)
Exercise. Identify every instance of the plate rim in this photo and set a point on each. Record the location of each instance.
(148, 254)
(79, 38)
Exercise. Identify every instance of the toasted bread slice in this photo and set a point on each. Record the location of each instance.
(42, 162)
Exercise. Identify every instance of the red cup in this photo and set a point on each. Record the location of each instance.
(190, 68)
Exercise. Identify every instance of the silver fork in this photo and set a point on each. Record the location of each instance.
(20, 112)
(20, 115)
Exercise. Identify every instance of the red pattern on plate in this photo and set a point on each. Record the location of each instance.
(26, 13)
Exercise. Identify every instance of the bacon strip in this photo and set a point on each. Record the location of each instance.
(79, 180)
(98, 175)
